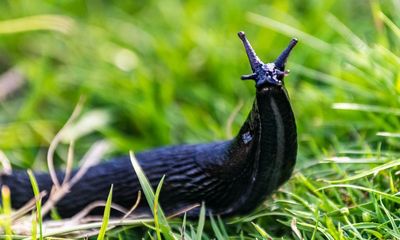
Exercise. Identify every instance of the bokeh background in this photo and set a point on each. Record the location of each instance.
(156, 73)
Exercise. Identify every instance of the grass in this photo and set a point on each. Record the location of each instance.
(106, 216)
(160, 221)
(38, 215)
(6, 212)
(174, 69)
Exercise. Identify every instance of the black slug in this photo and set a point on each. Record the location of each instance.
(231, 177)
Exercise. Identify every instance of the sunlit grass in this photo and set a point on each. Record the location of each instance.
(160, 221)
(38, 212)
(106, 216)
(6, 212)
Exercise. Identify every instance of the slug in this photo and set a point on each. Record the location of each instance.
(231, 177)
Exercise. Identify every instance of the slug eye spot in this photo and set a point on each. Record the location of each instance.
(246, 137)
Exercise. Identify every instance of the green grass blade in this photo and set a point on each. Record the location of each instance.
(381, 33)
(377, 234)
(222, 227)
(290, 31)
(390, 217)
(150, 196)
(393, 198)
(395, 29)
(35, 188)
(155, 208)
(366, 108)
(216, 229)
(192, 232)
(183, 228)
(200, 224)
(374, 170)
(106, 216)
(346, 33)
(6, 201)
(314, 232)
(34, 226)
(261, 231)
(39, 22)
(144, 182)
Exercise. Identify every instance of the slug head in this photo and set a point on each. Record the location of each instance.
(266, 73)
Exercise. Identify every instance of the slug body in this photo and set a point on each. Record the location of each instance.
(231, 177)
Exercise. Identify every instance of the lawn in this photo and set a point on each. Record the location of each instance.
(156, 73)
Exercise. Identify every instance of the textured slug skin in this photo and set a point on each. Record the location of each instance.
(232, 177)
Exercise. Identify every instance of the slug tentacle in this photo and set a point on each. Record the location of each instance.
(281, 60)
(270, 73)
(232, 177)
(255, 62)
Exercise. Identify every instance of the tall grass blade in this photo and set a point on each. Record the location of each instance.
(395, 29)
(393, 198)
(183, 228)
(366, 108)
(346, 33)
(261, 231)
(34, 226)
(392, 221)
(222, 227)
(57, 23)
(150, 197)
(155, 208)
(36, 192)
(216, 229)
(6, 201)
(200, 224)
(374, 170)
(290, 31)
(106, 216)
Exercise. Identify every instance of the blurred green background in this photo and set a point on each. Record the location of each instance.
(168, 72)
